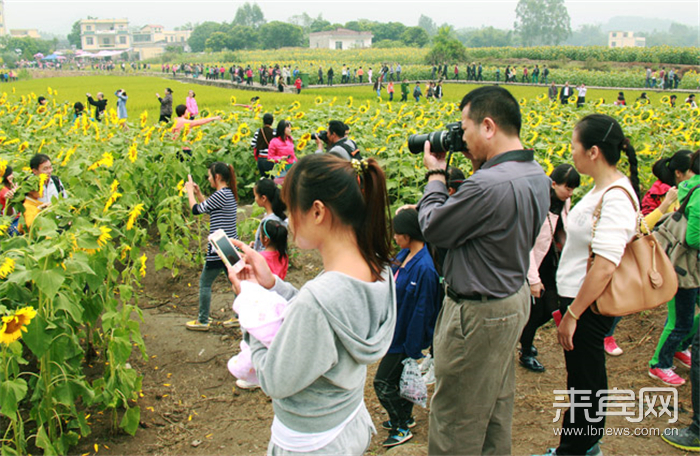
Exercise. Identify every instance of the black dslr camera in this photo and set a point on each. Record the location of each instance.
(449, 140)
(323, 136)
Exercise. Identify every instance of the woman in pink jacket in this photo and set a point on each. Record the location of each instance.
(191, 104)
(282, 145)
(544, 259)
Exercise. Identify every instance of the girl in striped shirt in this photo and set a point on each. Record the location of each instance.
(221, 207)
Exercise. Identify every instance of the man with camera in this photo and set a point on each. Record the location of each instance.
(488, 228)
(337, 142)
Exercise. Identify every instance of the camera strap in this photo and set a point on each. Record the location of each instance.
(522, 155)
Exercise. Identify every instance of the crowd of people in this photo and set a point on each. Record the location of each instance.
(482, 264)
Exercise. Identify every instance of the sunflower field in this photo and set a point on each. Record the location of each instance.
(69, 285)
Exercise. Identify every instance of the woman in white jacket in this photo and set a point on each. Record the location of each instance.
(544, 259)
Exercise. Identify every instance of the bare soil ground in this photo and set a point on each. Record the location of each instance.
(191, 406)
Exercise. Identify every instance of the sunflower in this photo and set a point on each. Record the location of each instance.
(301, 145)
(236, 138)
(112, 199)
(646, 116)
(306, 137)
(133, 152)
(133, 214)
(349, 102)
(8, 266)
(243, 129)
(104, 236)
(318, 100)
(233, 100)
(113, 187)
(180, 187)
(299, 115)
(363, 109)
(13, 325)
(142, 269)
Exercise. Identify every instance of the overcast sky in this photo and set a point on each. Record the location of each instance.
(57, 16)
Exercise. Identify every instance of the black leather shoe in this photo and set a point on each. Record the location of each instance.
(531, 363)
(533, 350)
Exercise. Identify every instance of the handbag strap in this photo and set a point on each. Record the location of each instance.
(598, 210)
(686, 200)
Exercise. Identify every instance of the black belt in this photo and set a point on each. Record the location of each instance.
(459, 297)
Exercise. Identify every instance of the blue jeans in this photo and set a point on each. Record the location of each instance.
(614, 325)
(678, 330)
(210, 272)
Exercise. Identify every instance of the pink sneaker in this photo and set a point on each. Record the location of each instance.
(611, 347)
(683, 358)
(667, 376)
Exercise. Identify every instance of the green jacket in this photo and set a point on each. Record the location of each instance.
(692, 235)
(404, 88)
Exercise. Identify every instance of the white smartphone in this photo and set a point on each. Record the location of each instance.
(228, 253)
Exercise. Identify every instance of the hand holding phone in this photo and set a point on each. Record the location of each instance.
(228, 253)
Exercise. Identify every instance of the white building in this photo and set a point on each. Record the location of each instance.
(340, 39)
(151, 40)
(625, 39)
(105, 35)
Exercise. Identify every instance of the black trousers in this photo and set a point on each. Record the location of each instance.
(585, 369)
(540, 313)
(386, 385)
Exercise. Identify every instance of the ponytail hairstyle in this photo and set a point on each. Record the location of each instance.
(606, 133)
(355, 194)
(227, 173)
(665, 169)
(267, 188)
(276, 232)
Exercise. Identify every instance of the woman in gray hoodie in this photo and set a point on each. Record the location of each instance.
(336, 324)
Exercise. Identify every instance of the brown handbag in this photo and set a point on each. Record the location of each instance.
(645, 277)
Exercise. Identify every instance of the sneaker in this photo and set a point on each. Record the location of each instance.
(242, 384)
(683, 358)
(397, 437)
(411, 423)
(611, 347)
(666, 375)
(195, 325)
(683, 439)
(427, 362)
(550, 452)
(531, 363)
(231, 323)
(429, 376)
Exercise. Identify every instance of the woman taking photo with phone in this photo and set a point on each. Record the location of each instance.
(222, 207)
(316, 367)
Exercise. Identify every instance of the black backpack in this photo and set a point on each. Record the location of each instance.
(353, 151)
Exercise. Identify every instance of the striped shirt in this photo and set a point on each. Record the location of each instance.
(222, 208)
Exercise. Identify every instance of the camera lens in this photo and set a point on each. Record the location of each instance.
(415, 143)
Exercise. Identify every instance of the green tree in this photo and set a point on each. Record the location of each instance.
(485, 37)
(415, 37)
(320, 25)
(201, 32)
(242, 37)
(249, 15)
(588, 35)
(216, 42)
(74, 36)
(276, 34)
(446, 48)
(542, 22)
(387, 31)
(428, 25)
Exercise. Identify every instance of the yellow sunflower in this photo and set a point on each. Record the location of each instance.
(13, 325)
(8, 266)
(318, 100)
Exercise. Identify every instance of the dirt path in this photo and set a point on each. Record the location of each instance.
(190, 404)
